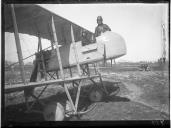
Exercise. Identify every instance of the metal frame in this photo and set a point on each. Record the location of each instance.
(84, 71)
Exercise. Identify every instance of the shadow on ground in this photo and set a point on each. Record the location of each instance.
(15, 113)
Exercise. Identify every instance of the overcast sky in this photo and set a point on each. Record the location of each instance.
(138, 24)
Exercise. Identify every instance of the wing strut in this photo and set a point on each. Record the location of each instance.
(18, 45)
(75, 51)
(42, 57)
(78, 68)
(60, 63)
(104, 55)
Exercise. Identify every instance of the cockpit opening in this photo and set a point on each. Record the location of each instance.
(87, 38)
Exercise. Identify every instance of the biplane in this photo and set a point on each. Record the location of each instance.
(74, 52)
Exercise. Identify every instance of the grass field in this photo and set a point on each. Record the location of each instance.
(144, 95)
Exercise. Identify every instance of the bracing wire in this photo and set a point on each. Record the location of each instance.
(27, 57)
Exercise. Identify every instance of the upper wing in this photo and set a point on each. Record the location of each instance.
(34, 20)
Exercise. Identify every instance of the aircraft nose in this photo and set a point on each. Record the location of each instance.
(114, 43)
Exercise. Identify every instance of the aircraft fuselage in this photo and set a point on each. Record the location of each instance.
(109, 44)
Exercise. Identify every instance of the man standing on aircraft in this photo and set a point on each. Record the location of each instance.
(101, 28)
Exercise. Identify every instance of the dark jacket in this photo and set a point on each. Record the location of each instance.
(101, 29)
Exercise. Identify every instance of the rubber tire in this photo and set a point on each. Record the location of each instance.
(96, 95)
(54, 112)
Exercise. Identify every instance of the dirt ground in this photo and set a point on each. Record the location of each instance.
(149, 88)
(143, 96)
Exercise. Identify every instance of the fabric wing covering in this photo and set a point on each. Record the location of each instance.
(33, 20)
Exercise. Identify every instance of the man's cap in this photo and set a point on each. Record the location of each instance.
(99, 18)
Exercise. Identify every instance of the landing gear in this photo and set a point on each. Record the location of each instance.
(54, 112)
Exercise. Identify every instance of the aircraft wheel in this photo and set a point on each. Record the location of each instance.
(54, 112)
(96, 95)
